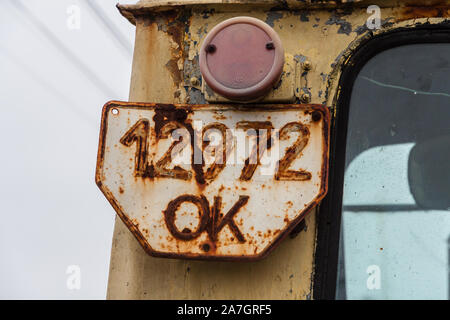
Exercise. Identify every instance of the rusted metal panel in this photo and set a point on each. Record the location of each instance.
(212, 181)
(168, 38)
(143, 7)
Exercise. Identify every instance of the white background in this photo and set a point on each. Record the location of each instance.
(54, 82)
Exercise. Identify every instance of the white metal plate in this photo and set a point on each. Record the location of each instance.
(177, 207)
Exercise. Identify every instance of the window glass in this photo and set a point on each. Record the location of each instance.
(395, 232)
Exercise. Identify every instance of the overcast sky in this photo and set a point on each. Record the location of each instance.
(56, 76)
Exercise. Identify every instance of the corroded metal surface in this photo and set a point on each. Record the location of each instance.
(131, 11)
(235, 202)
(304, 34)
(320, 34)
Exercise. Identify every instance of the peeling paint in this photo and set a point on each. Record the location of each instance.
(191, 69)
(196, 96)
(300, 58)
(273, 16)
(324, 32)
(345, 27)
(304, 15)
(384, 24)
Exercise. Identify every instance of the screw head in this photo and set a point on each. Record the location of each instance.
(307, 65)
(270, 46)
(210, 48)
(206, 247)
(316, 116)
(305, 98)
(195, 81)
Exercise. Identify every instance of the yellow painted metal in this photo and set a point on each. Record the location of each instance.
(322, 35)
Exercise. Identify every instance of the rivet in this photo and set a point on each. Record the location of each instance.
(270, 46)
(205, 247)
(194, 81)
(305, 98)
(210, 48)
(307, 65)
(316, 116)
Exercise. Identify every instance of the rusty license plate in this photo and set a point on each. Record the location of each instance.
(220, 182)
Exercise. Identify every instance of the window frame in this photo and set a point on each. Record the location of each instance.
(330, 209)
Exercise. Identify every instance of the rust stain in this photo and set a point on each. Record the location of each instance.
(437, 11)
(291, 153)
(220, 116)
(172, 66)
(175, 28)
(203, 209)
(166, 113)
